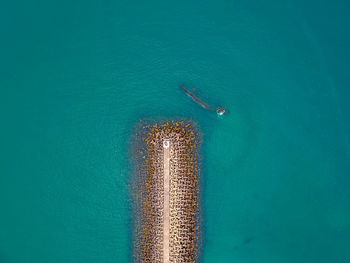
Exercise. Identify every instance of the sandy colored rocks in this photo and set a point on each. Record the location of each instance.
(167, 194)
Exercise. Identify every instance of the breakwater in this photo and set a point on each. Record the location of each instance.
(166, 193)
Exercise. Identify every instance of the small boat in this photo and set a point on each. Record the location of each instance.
(220, 110)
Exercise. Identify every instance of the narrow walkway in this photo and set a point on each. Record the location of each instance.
(166, 216)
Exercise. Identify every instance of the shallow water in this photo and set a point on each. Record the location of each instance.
(75, 78)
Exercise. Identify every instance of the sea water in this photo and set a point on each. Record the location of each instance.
(76, 76)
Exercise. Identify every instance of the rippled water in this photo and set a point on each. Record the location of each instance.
(75, 78)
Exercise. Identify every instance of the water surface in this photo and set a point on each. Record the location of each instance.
(76, 77)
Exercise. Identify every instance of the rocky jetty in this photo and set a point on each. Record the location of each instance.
(166, 193)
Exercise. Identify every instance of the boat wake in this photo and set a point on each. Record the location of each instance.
(220, 110)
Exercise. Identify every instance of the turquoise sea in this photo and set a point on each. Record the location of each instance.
(76, 76)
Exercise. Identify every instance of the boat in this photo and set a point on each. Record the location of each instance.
(219, 111)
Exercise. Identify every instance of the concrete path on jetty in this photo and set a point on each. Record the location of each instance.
(166, 215)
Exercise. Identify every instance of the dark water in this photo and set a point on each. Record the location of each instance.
(76, 77)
